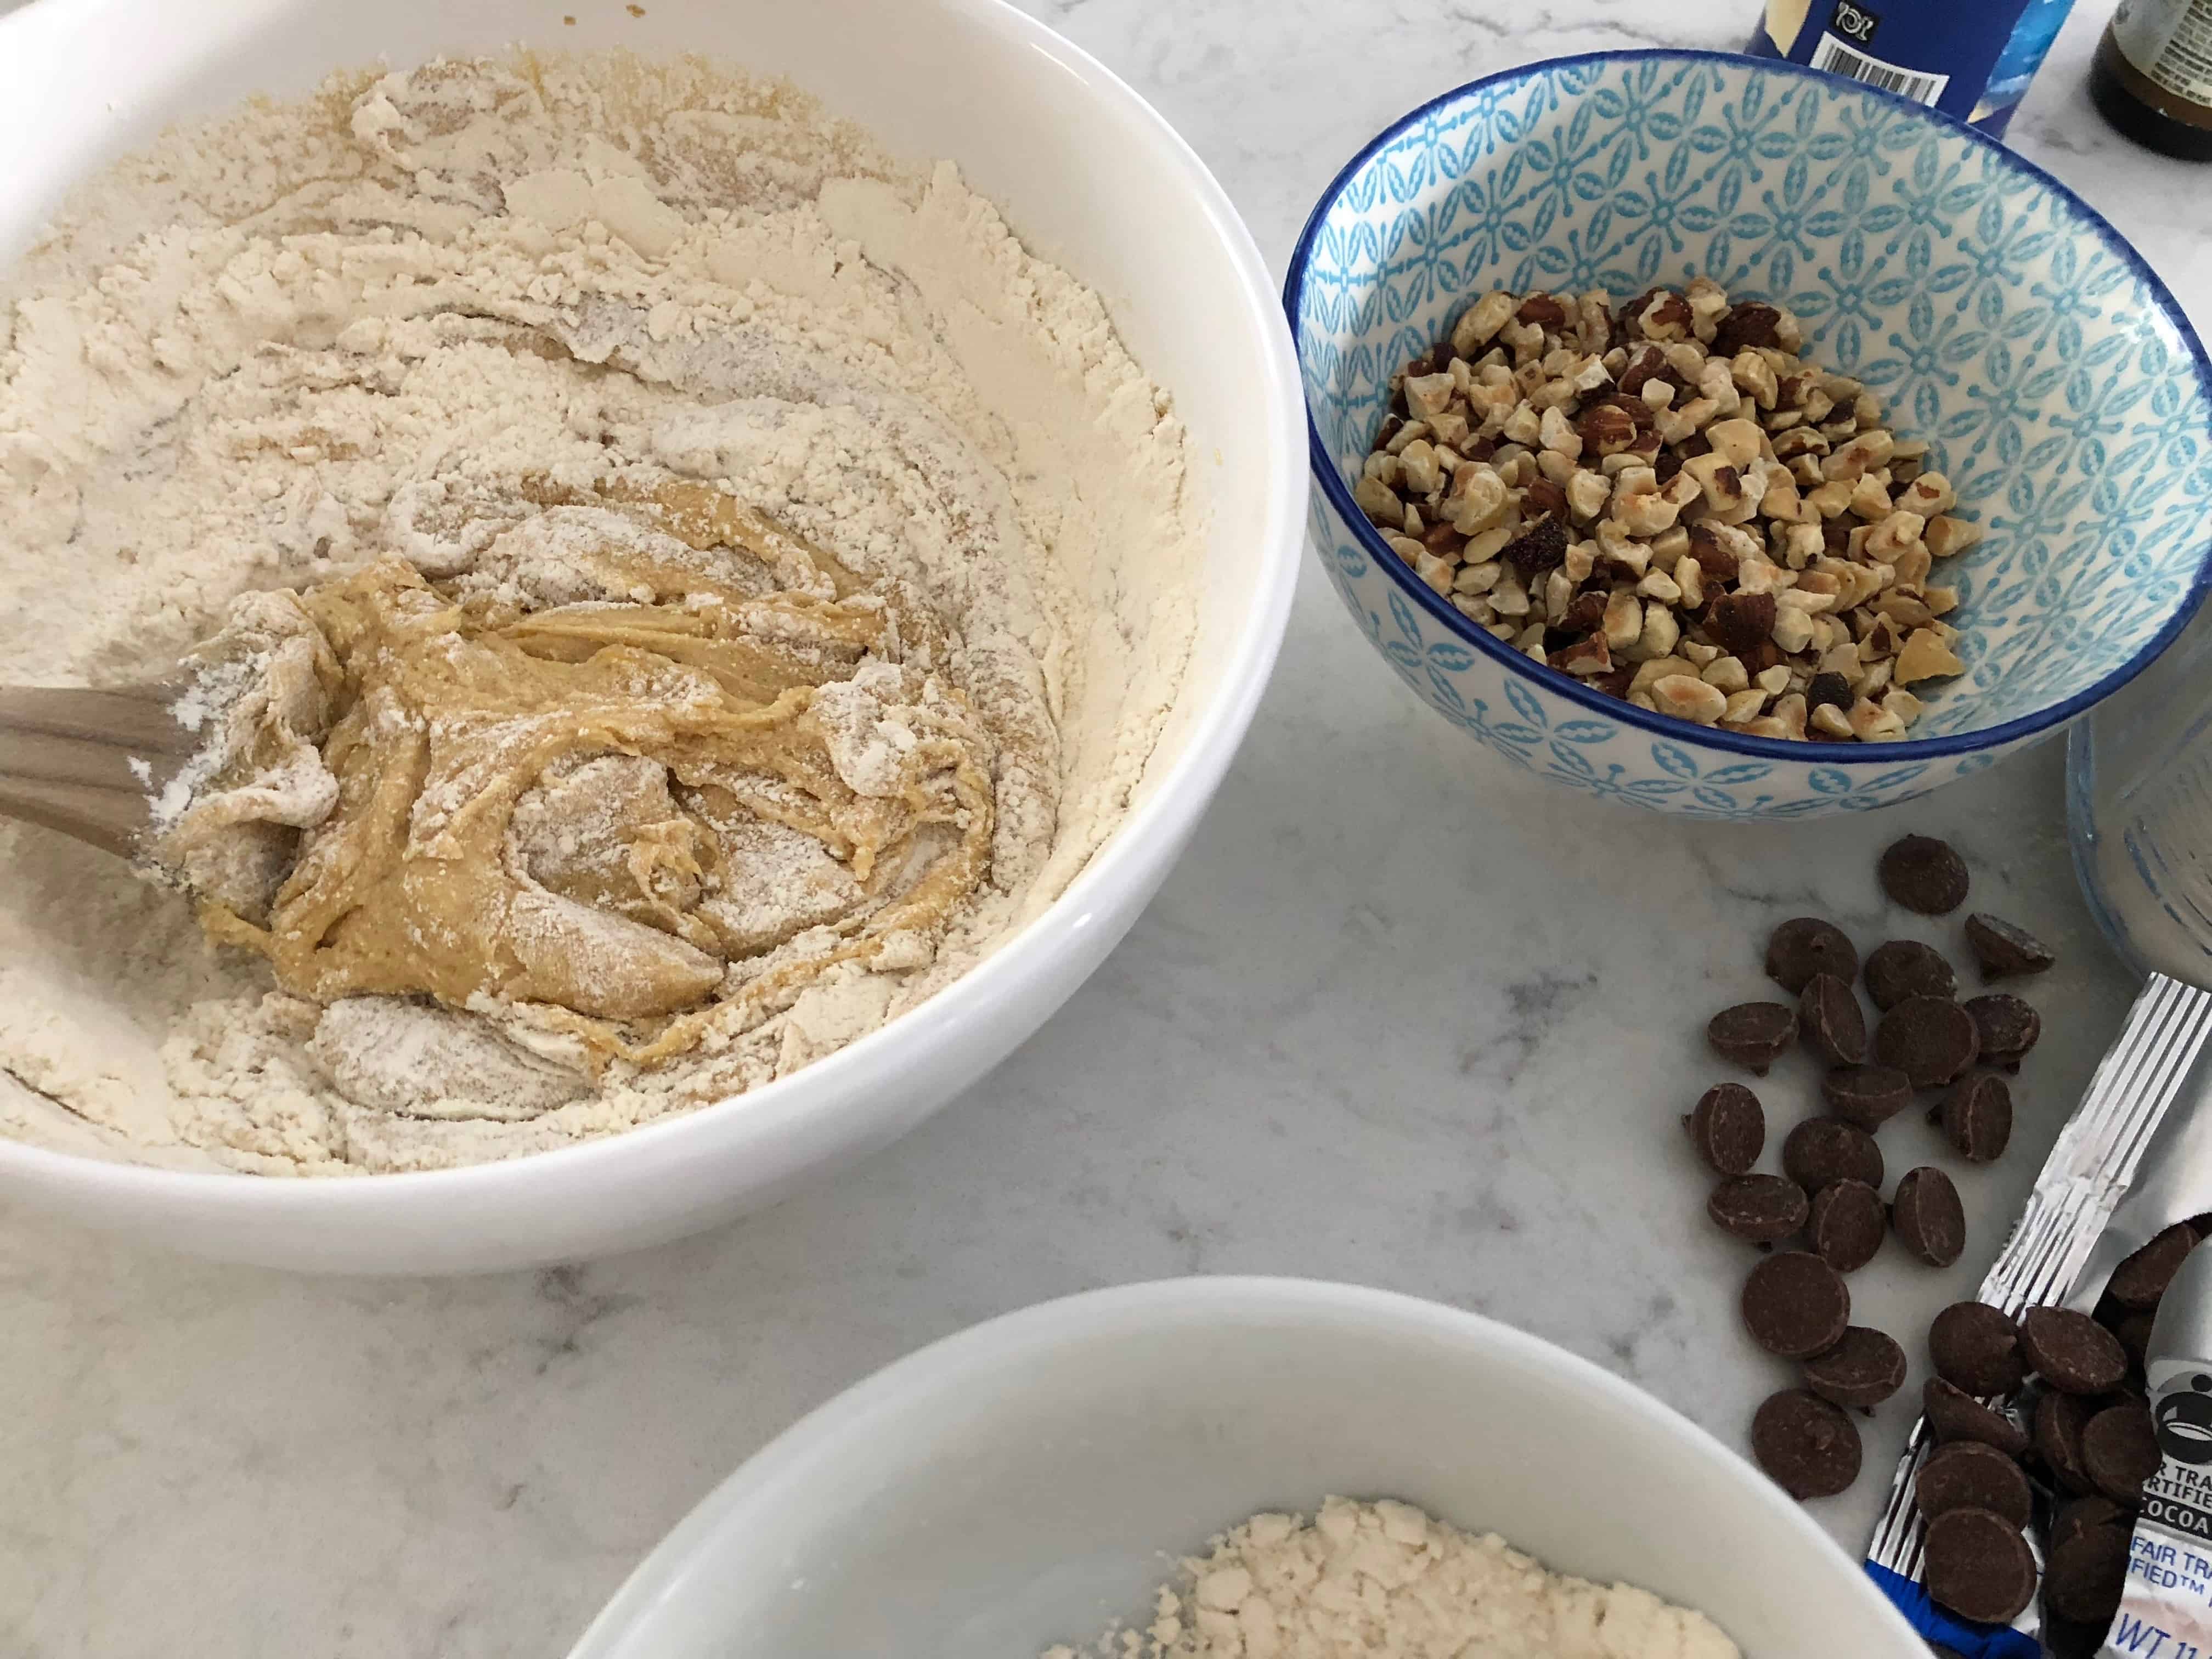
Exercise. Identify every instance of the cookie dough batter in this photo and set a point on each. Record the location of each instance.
(573, 808)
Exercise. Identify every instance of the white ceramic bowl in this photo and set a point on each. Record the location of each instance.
(1091, 178)
(1025, 1481)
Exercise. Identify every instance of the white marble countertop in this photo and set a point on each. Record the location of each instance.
(1397, 1018)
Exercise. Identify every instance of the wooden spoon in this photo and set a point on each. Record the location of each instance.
(90, 764)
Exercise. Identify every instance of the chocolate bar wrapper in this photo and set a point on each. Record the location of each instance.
(2136, 1156)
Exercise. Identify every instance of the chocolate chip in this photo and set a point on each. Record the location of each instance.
(2141, 1280)
(2080, 1514)
(1975, 1348)
(1753, 1034)
(2060, 1419)
(1728, 1128)
(2003, 950)
(1845, 1224)
(1968, 1475)
(1868, 1096)
(1979, 1565)
(1906, 968)
(1538, 548)
(1861, 1372)
(2007, 1027)
(1930, 1222)
(1828, 688)
(2133, 1331)
(2087, 1574)
(1923, 874)
(1806, 1444)
(1825, 1149)
(1795, 1305)
(1762, 1209)
(1739, 622)
(1805, 945)
(1976, 1117)
(1927, 1039)
(1828, 1015)
(2119, 1452)
(2071, 1351)
(1955, 1415)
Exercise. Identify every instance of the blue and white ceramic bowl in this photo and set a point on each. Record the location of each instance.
(1993, 313)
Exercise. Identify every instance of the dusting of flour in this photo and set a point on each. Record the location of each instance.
(281, 347)
(1383, 1581)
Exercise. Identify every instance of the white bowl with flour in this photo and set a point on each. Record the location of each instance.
(1027, 1482)
(1088, 177)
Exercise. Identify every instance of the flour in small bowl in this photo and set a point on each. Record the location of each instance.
(1384, 1581)
(863, 544)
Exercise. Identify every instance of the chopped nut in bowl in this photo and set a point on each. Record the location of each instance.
(1694, 521)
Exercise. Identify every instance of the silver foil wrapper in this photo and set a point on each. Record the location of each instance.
(2136, 1156)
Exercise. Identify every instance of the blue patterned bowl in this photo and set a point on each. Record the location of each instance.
(1995, 314)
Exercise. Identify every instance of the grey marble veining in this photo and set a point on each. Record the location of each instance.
(1403, 1016)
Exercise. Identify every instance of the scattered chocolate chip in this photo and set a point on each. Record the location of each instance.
(1845, 1224)
(1538, 548)
(1825, 1149)
(1931, 1221)
(1906, 968)
(2087, 1574)
(1806, 946)
(1830, 1019)
(2119, 1452)
(2059, 1421)
(2003, 950)
(1975, 1348)
(1728, 1128)
(1976, 1117)
(1753, 1034)
(1868, 1096)
(2138, 1282)
(2071, 1351)
(2079, 1515)
(1979, 1565)
(1968, 1475)
(1927, 1039)
(1861, 1372)
(1955, 1415)
(1795, 1305)
(1923, 874)
(1806, 1444)
(2008, 1028)
(1762, 1209)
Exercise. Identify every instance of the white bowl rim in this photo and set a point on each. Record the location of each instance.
(983, 1349)
(1171, 811)
(1883, 755)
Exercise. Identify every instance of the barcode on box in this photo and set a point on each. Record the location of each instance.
(1834, 56)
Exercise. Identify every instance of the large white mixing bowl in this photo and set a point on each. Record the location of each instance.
(1090, 178)
(1026, 1481)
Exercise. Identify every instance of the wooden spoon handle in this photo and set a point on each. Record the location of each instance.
(89, 763)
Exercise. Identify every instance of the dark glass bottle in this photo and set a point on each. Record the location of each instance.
(2152, 76)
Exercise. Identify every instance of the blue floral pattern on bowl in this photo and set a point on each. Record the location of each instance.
(1997, 316)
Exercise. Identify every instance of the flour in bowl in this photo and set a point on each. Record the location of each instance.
(707, 585)
(1384, 1581)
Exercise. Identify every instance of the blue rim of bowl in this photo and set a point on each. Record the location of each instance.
(1667, 726)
